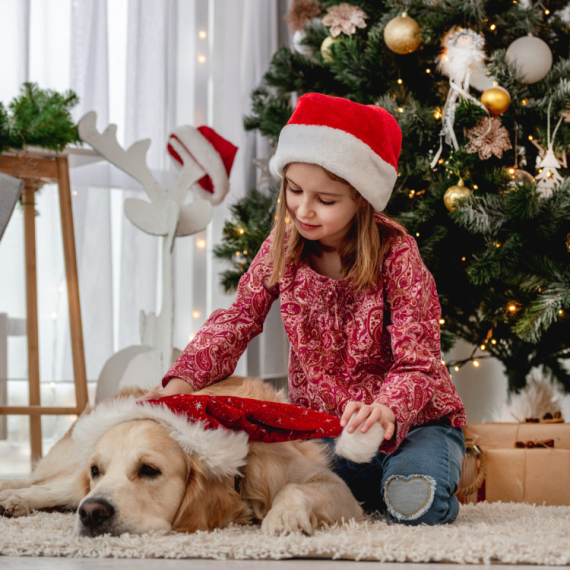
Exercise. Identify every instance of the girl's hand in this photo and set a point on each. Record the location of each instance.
(366, 416)
(174, 386)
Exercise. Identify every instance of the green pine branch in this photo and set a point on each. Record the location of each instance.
(39, 117)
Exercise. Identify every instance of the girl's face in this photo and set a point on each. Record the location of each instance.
(322, 209)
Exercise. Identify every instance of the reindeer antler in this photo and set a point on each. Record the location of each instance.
(131, 161)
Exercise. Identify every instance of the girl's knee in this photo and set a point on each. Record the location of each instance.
(415, 500)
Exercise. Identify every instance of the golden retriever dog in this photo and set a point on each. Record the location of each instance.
(137, 478)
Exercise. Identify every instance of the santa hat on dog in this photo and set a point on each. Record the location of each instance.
(218, 429)
(211, 151)
(359, 143)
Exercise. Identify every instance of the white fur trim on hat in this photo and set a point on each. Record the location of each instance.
(342, 154)
(193, 145)
(360, 447)
(222, 452)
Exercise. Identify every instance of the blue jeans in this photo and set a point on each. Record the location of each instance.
(415, 484)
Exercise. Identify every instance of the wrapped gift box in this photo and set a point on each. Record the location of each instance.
(505, 435)
(519, 466)
(528, 476)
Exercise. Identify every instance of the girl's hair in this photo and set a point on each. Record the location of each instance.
(362, 252)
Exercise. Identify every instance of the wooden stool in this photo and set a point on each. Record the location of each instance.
(35, 170)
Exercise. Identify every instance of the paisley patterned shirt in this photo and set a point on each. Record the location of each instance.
(380, 345)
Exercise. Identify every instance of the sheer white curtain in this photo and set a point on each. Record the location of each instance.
(135, 62)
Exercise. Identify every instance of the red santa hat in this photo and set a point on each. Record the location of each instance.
(218, 429)
(211, 151)
(359, 143)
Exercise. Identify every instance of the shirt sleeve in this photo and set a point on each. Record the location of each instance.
(417, 372)
(214, 352)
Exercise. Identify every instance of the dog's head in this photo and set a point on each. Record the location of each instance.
(141, 479)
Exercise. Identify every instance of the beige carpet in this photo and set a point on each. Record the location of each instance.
(484, 533)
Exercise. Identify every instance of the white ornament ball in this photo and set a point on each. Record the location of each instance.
(298, 36)
(532, 56)
(480, 80)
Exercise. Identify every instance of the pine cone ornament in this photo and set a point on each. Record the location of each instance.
(301, 12)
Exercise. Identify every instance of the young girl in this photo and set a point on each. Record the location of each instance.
(359, 306)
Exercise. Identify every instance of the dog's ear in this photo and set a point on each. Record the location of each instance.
(209, 502)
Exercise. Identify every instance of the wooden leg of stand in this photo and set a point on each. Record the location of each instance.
(72, 282)
(28, 200)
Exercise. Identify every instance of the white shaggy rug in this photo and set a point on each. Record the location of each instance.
(484, 533)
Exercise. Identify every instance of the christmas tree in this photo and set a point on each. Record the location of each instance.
(481, 91)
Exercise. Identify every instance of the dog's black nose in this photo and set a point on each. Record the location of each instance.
(93, 512)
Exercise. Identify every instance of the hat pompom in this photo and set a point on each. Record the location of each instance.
(360, 447)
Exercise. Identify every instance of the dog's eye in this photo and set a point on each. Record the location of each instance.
(94, 471)
(148, 471)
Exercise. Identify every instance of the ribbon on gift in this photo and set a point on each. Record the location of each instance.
(533, 444)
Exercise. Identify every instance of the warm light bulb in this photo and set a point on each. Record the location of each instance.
(202, 34)
(428, 70)
(241, 231)
(475, 187)
(201, 243)
(456, 369)
(443, 362)
(191, 337)
(196, 314)
(493, 26)
(245, 251)
(560, 312)
(547, 12)
(400, 109)
(493, 341)
(476, 363)
(441, 321)
(399, 81)
(417, 234)
(52, 385)
(530, 137)
(463, 258)
(512, 308)
(202, 59)
(74, 193)
(482, 347)
(287, 220)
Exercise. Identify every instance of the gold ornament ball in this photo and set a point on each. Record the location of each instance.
(454, 193)
(496, 99)
(518, 176)
(326, 48)
(402, 34)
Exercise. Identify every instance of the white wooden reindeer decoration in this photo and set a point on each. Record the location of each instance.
(167, 216)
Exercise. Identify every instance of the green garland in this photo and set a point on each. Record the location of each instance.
(38, 117)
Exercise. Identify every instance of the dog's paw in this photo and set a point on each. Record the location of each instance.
(288, 520)
(14, 506)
